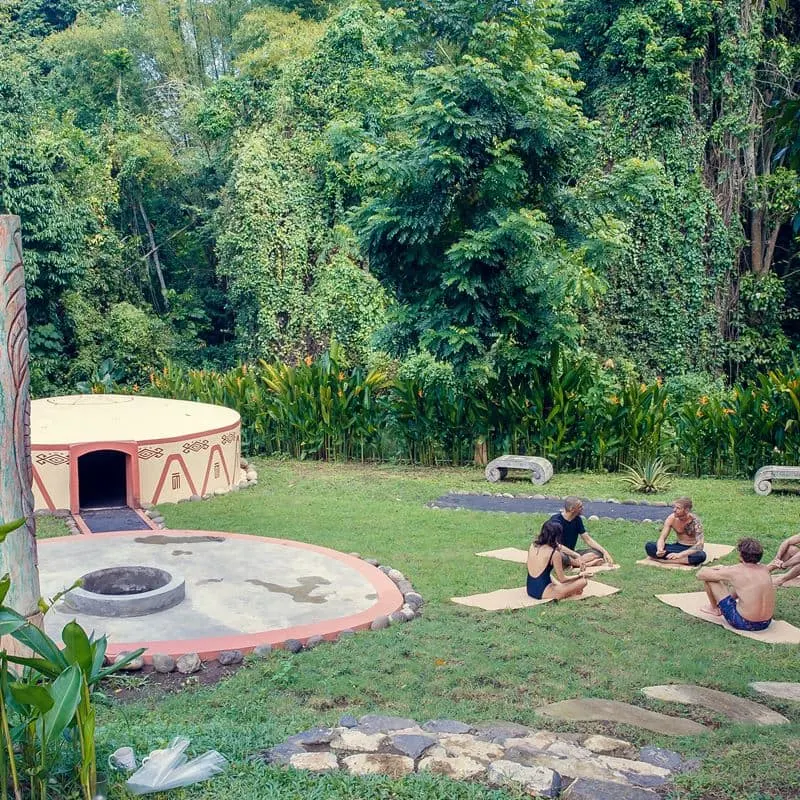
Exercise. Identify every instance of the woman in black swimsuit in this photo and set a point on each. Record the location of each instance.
(544, 556)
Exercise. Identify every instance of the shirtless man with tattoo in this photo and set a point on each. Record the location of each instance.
(689, 531)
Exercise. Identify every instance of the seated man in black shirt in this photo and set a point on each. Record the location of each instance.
(571, 521)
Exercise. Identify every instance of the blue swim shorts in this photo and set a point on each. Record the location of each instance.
(728, 608)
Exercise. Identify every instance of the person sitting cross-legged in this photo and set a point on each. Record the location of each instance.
(743, 593)
(788, 557)
(571, 522)
(689, 531)
(543, 557)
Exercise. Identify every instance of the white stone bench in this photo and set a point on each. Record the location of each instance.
(762, 482)
(541, 469)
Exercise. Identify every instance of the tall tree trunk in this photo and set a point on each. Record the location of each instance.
(18, 552)
(154, 253)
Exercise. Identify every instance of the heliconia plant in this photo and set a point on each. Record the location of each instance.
(565, 410)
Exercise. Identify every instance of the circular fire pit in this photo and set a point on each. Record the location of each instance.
(126, 592)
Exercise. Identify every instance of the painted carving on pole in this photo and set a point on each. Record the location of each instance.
(18, 552)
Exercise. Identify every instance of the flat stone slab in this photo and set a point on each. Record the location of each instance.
(588, 789)
(735, 708)
(591, 709)
(535, 781)
(783, 691)
(379, 764)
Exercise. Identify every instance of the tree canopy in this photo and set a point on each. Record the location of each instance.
(471, 182)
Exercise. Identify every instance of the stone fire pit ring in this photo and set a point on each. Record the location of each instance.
(127, 591)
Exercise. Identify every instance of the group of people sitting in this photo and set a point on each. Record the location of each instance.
(744, 594)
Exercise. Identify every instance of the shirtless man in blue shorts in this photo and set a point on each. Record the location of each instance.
(743, 593)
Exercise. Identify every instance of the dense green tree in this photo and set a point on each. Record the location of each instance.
(694, 85)
(467, 221)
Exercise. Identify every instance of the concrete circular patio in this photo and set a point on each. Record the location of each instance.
(241, 591)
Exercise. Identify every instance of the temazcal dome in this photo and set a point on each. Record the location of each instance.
(103, 450)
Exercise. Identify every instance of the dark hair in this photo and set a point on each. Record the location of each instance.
(550, 534)
(750, 550)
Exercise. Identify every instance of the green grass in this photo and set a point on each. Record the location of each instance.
(471, 665)
(48, 526)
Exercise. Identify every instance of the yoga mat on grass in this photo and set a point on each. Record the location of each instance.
(712, 551)
(521, 557)
(779, 632)
(506, 599)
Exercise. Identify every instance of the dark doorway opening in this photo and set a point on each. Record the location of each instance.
(102, 479)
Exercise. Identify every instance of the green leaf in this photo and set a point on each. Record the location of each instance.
(10, 526)
(77, 650)
(32, 637)
(66, 694)
(5, 585)
(10, 625)
(31, 695)
(98, 657)
(118, 665)
(41, 665)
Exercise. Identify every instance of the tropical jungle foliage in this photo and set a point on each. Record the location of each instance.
(450, 191)
(569, 410)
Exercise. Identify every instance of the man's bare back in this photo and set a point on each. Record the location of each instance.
(743, 593)
(751, 586)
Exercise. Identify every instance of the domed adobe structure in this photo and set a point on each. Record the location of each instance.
(105, 450)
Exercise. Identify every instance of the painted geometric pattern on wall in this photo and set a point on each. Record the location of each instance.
(56, 459)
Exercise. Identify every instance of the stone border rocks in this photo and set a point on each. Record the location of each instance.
(151, 512)
(501, 754)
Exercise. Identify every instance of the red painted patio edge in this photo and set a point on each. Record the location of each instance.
(389, 599)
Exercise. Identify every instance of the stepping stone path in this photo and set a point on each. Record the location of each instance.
(736, 708)
(783, 691)
(501, 754)
(590, 709)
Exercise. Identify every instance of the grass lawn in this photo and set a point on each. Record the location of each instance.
(470, 665)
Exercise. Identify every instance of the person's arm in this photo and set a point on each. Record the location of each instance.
(558, 567)
(713, 573)
(574, 558)
(662, 537)
(785, 545)
(597, 546)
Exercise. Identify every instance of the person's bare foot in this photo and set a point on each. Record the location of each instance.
(711, 611)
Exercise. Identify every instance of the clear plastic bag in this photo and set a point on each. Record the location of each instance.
(170, 768)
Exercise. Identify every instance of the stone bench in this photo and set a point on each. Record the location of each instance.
(762, 482)
(541, 469)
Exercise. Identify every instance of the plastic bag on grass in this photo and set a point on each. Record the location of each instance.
(170, 768)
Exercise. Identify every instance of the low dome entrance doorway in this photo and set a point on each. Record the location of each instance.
(102, 479)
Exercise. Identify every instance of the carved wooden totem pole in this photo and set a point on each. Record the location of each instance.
(18, 552)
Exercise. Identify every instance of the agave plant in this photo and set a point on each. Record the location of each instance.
(650, 475)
